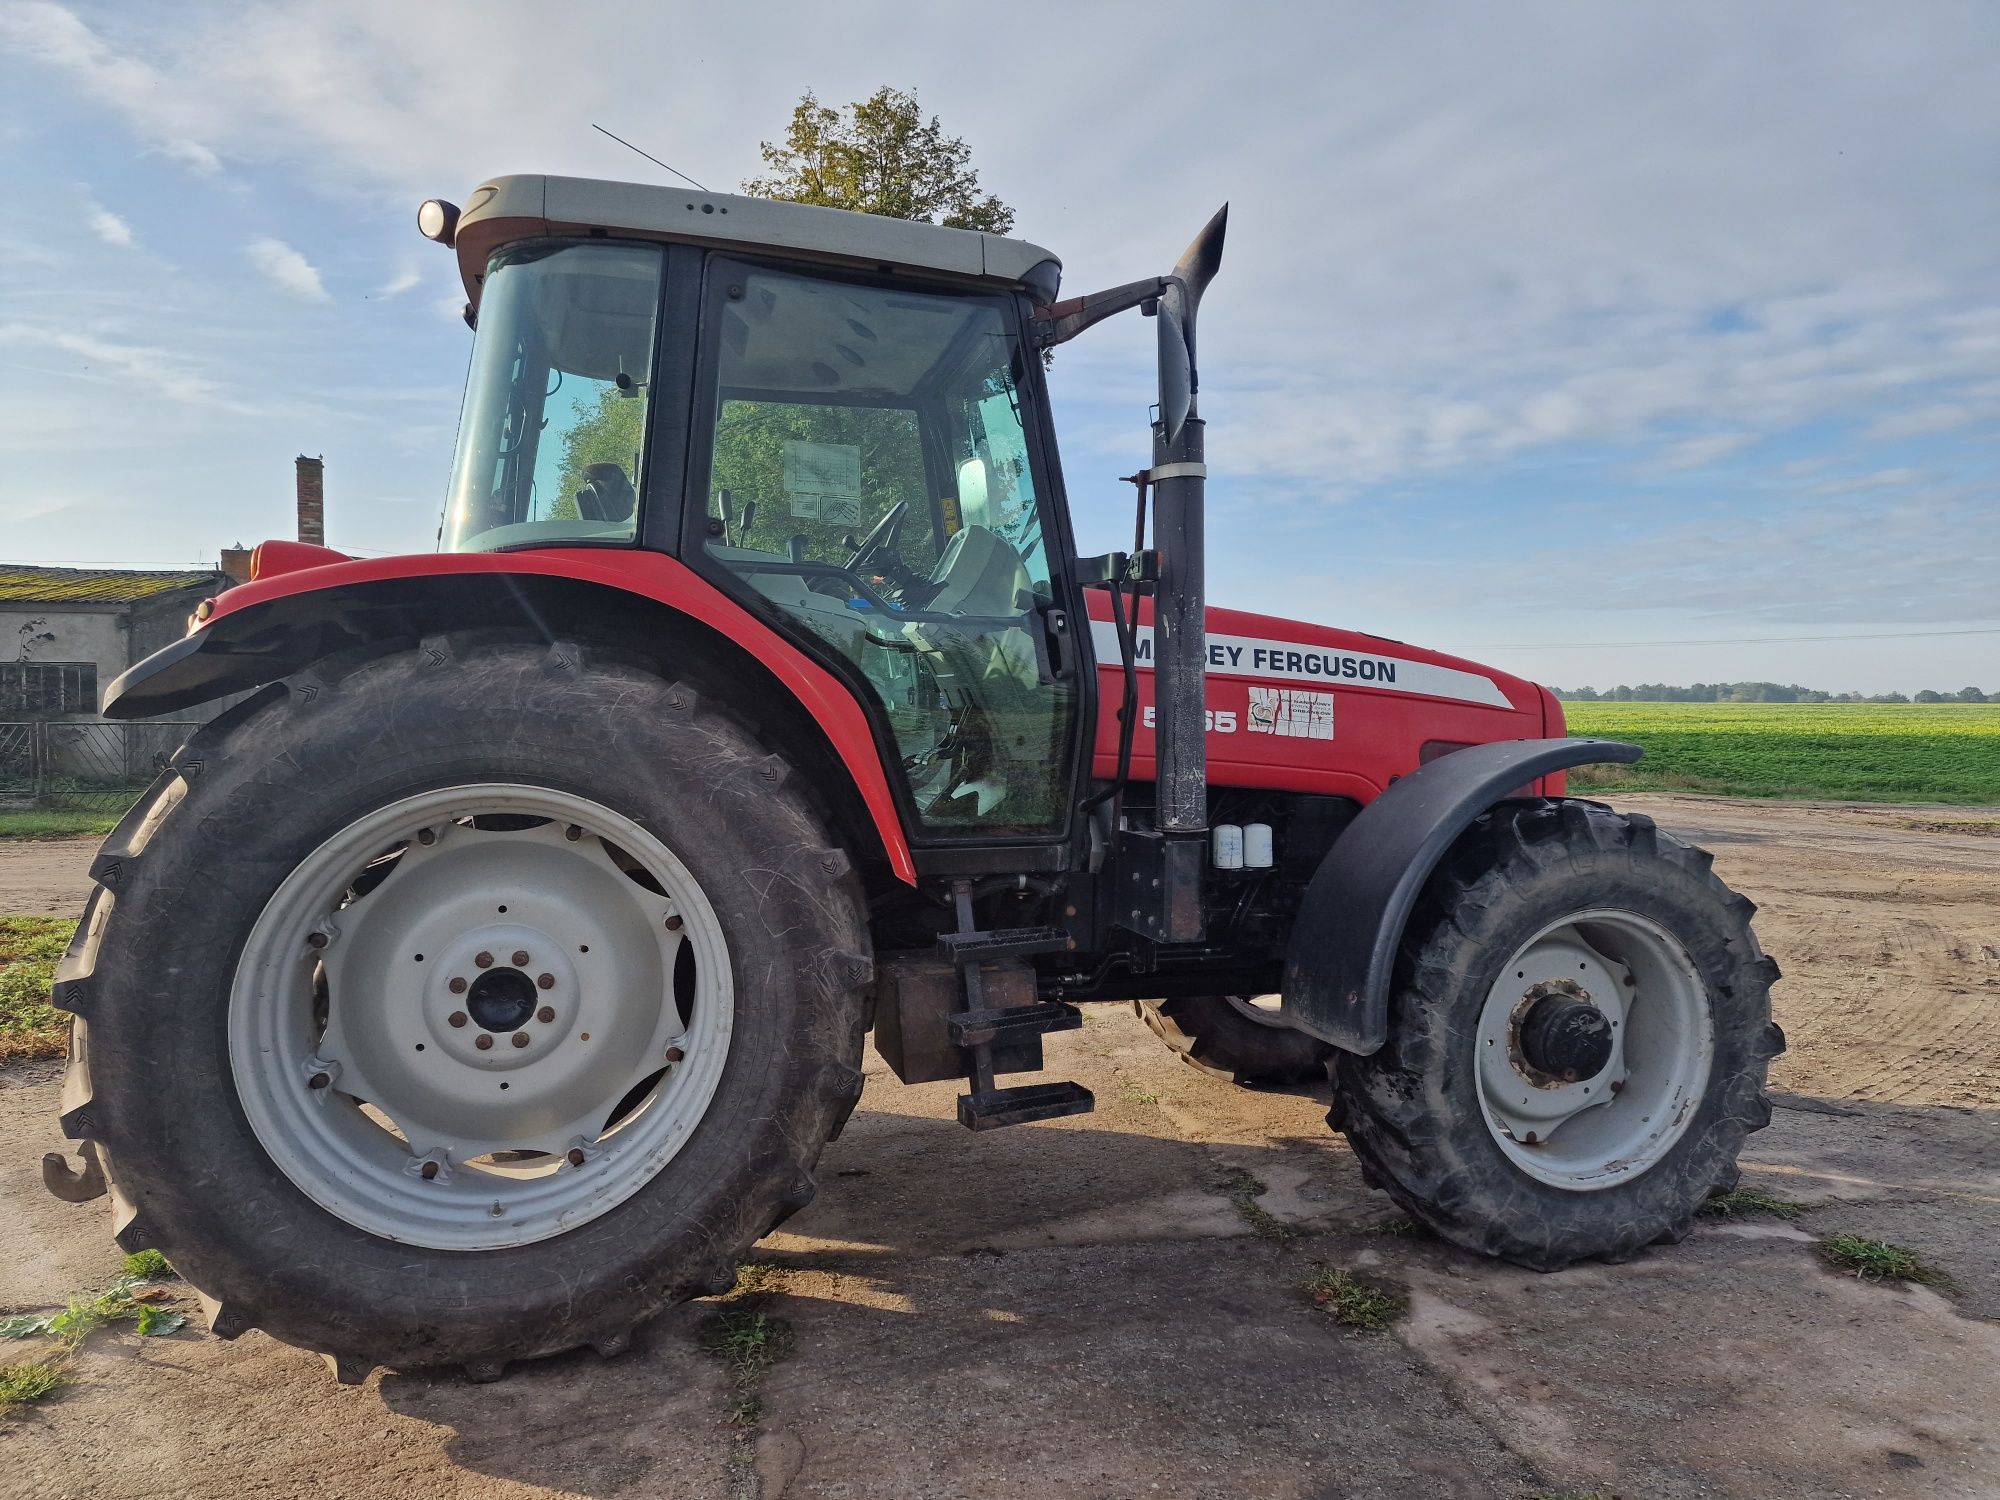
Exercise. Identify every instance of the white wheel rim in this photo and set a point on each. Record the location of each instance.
(610, 1012)
(1590, 1133)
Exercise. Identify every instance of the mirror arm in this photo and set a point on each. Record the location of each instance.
(1059, 322)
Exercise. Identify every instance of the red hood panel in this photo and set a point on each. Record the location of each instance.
(1303, 707)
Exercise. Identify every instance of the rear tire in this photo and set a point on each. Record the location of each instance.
(1499, 1149)
(155, 977)
(1229, 1037)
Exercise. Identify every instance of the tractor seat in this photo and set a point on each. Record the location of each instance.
(607, 495)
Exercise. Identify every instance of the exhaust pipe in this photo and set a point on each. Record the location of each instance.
(1179, 478)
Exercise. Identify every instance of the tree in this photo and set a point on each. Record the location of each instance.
(879, 156)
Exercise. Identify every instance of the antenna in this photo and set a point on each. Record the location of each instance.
(650, 157)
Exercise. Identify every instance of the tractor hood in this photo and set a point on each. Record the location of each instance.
(1296, 706)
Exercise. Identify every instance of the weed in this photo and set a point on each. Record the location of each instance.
(1398, 1228)
(1243, 1191)
(1354, 1303)
(748, 1341)
(1878, 1260)
(31, 1380)
(1743, 1201)
(756, 1279)
(148, 1265)
(128, 1300)
(1132, 1094)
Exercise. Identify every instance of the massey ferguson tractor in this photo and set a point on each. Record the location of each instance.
(491, 974)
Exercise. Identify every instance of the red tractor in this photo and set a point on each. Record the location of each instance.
(492, 973)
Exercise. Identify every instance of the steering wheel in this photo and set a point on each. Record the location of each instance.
(877, 548)
(881, 535)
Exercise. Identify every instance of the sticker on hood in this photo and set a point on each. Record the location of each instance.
(1252, 656)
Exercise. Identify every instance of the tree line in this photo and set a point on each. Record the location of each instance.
(1759, 692)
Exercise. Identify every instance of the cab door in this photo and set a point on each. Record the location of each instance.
(871, 484)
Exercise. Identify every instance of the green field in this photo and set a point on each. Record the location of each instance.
(1863, 752)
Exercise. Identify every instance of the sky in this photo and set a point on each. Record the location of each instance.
(1600, 343)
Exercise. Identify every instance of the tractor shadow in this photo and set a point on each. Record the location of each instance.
(1096, 1295)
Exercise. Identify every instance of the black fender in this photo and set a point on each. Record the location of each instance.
(1343, 949)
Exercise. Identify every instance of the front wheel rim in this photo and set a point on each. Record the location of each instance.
(481, 1016)
(1630, 981)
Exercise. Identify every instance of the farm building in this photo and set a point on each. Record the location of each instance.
(65, 633)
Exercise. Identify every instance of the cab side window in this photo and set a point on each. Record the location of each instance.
(870, 482)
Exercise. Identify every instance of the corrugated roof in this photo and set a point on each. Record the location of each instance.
(21, 584)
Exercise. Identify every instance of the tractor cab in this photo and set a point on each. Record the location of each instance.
(857, 450)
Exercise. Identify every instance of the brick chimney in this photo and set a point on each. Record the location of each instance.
(236, 564)
(312, 500)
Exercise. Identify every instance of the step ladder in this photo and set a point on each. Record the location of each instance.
(981, 1031)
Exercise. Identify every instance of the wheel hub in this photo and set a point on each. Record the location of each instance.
(1566, 1037)
(501, 999)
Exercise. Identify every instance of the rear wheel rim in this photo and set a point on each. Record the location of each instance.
(1589, 1128)
(481, 1016)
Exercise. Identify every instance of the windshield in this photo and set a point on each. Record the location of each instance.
(551, 441)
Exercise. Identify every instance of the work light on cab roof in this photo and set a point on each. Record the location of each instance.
(526, 911)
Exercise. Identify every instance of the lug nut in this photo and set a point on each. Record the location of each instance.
(572, 833)
(546, 1014)
(315, 940)
(674, 923)
(428, 1171)
(545, 981)
(520, 1039)
(318, 1081)
(457, 985)
(426, 837)
(484, 1042)
(484, 960)
(457, 1018)
(520, 957)
(575, 1156)
(674, 1054)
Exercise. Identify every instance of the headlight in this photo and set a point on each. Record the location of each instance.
(438, 220)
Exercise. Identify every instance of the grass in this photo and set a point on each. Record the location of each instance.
(1398, 1228)
(1878, 1260)
(748, 1341)
(29, 949)
(55, 823)
(1243, 1191)
(1869, 752)
(1133, 1094)
(28, 1381)
(148, 1265)
(1352, 1302)
(128, 1300)
(1746, 1201)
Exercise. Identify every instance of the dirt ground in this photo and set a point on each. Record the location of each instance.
(1079, 1309)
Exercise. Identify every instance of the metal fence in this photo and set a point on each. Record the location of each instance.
(72, 764)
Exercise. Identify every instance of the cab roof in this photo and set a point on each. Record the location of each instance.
(505, 209)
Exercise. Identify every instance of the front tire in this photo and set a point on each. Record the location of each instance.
(1579, 1036)
(461, 1157)
(1233, 1038)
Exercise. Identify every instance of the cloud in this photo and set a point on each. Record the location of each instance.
(286, 269)
(99, 359)
(193, 155)
(162, 109)
(408, 279)
(108, 227)
(1700, 452)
